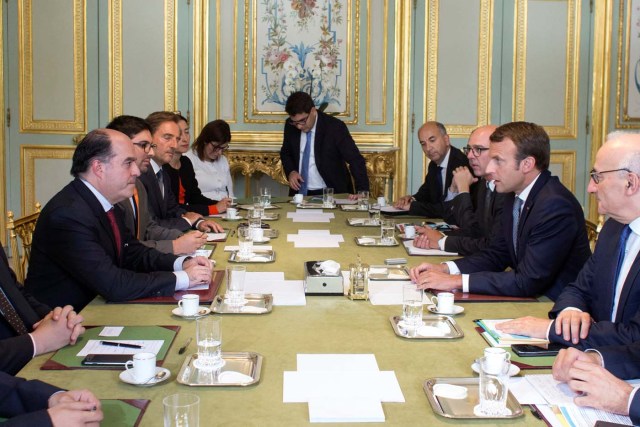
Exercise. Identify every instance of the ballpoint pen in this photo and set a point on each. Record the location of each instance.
(184, 347)
(120, 344)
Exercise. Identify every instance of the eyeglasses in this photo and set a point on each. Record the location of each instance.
(300, 122)
(597, 176)
(146, 146)
(221, 147)
(477, 151)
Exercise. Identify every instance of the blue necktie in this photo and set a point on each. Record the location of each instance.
(517, 203)
(622, 245)
(305, 165)
(439, 181)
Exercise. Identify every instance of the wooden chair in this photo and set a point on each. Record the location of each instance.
(593, 230)
(22, 228)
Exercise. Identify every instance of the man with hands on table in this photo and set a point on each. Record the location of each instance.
(472, 203)
(82, 249)
(602, 306)
(542, 239)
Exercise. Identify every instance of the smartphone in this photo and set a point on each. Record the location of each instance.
(528, 350)
(106, 359)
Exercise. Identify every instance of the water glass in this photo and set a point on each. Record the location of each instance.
(494, 388)
(412, 305)
(327, 197)
(363, 200)
(265, 193)
(181, 410)
(245, 242)
(374, 216)
(255, 224)
(209, 340)
(235, 285)
(387, 231)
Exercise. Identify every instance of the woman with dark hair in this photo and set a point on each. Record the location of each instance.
(183, 179)
(210, 164)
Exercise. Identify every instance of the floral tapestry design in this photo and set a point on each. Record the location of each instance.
(301, 47)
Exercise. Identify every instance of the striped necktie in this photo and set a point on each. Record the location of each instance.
(11, 314)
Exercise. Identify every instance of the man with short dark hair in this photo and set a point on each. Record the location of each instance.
(82, 249)
(543, 240)
(316, 150)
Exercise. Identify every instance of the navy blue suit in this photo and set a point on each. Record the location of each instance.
(25, 403)
(164, 210)
(552, 246)
(74, 255)
(593, 292)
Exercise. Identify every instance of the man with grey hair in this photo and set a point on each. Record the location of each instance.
(602, 306)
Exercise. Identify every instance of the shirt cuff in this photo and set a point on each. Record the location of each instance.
(450, 196)
(453, 268)
(35, 350)
(593, 350)
(188, 222)
(549, 328)
(197, 223)
(177, 264)
(465, 283)
(441, 245)
(182, 280)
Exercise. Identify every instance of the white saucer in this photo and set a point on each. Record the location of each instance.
(127, 377)
(456, 310)
(263, 240)
(513, 369)
(202, 311)
(234, 218)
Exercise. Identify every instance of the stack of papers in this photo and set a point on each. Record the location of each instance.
(341, 387)
(284, 292)
(310, 215)
(315, 239)
(501, 339)
(412, 250)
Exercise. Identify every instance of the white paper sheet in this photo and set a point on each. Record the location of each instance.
(284, 292)
(310, 215)
(203, 252)
(256, 248)
(337, 362)
(385, 292)
(412, 250)
(354, 410)
(111, 331)
(524, 393)
(315, 239)
(345, 201)
(554, 392)
(216, 236)
(263, 275)
(94, 347)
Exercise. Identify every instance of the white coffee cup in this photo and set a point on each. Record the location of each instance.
(257, 234)
(409, 231)
(495, 358)
(143, 366)
(382, 201)
(444, 301)
(189, 304)
(232, 213)
(298, 198)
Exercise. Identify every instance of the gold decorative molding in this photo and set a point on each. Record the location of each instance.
(385, 48)
(170, 57)
(623, 120)
(25, 58)
(28, 156)
(567, 160)
(200, 65)
(3, 178)
(572, 65)
(219, 59)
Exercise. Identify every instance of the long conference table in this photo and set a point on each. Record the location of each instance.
(327, 324)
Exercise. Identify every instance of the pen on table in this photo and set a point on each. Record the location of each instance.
(120, 344)
(184, 347)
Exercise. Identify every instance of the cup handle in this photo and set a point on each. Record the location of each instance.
(434, 300)
(180, 304)
(508, 357)
(126, 365)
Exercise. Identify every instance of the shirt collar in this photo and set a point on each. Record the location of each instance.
(103, 200)
(313, 129)
(635, 226)
(525, 193)
(491, 185)
(445, 162)
(155, 166)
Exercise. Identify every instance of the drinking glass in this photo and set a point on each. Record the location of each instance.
(412, 305)
(209, 340)
(494, 388)
(265, 193)
(245, 242)
(387, 231)
(181, 410)
(327, 197)
(363, 200)
(235, 285)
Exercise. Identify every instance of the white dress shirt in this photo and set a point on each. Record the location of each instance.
(314, 180)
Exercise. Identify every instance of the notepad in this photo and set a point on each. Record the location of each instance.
(502, 338)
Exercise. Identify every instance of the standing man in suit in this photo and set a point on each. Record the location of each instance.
(34, 403)
(136, 209)
(27, 327)
(472, 203)
(80, 245)
(543, 239)
(163, 205)
(444, 159)
(602, 306)
(316, 150)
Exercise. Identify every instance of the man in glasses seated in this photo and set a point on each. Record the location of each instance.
(316, 150)
(472, 203)
(444, 159)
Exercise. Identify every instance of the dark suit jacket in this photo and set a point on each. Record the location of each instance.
(430, 198)
(25, 403)
(16, 350)
(152, 234)
(552, 246)
(477, 220)
(193, 199)
(593, 292)
(74, 256)
(165, 211)
(333, 148)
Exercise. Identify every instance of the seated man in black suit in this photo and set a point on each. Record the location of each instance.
(602, 306)
(27, 327)
(34, 403)
(444, 159)
(543, 239)
(163, 205)
(82, 249)
(592, 375)
(136, 208)
(472, 203)
(330, 149)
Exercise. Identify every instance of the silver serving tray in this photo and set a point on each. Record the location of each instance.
(249, 207)
(270, 233)
(429, 320)
(352, 208)
(247, 363)
(256, 301)
(463, 408)
(393, 272)
(270, 216)
(259, 256)
(313, 205)
(363, 222)
(376, 241)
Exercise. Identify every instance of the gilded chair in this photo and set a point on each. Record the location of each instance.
(22, 228)
(593, 230)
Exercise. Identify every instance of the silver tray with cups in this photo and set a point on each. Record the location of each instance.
(270, 233)
(314, 205)
(354, 208)
(255, 304)
(240, 369)
(387, 272)
(257, 256)
(374, 241)
(270, 216)
(434, 327)
(448, 402)
(363, 222)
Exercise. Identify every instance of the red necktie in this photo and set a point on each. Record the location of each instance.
(116, 231)
(11, 315)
